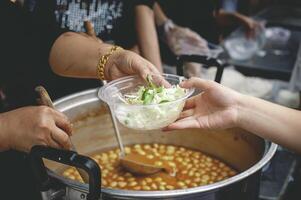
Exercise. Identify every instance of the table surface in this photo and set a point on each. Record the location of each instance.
(266, 63)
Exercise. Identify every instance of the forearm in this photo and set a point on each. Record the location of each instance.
(274, 122)
(147, 36)
(160, 17)
(76, 55)
(3, 133)
(225, 18)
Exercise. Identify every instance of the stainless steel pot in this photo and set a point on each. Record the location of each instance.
(94, 132)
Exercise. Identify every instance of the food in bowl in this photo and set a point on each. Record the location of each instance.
(153, 94)
(142, 105)
(192, 168)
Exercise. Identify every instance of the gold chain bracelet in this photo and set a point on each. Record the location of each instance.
(103, 61)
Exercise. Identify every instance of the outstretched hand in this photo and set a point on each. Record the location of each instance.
(216, 107)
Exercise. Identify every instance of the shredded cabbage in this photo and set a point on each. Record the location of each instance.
(159, 115)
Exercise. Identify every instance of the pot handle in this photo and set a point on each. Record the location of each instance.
(65, 157)
(202, 60)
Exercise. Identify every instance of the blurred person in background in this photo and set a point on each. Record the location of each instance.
(30, 43)
(206, 22)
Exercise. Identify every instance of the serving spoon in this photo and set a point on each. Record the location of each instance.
(130, 162)
(133, 163)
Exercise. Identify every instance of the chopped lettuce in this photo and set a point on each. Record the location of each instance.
(152, 94)
(160, 114)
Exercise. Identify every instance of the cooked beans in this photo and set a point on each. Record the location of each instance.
(190, 168)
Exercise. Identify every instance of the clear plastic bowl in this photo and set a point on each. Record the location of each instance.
(142, 117)
(241, 48)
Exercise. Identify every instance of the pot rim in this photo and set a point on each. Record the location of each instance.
(267, 156)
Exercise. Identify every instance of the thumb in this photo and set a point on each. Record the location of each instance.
(198, 83)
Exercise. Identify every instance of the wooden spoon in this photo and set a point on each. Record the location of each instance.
(44, 99)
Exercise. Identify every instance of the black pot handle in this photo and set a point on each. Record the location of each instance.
(69, 158)
(203, 60)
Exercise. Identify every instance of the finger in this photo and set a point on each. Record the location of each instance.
(190, 122)
(61, 137)
(198, 83)
(159, 80)
(143, 68)
(52, 143)
(149, 69)
(89, 27)
(186, 113)
(190, 103)
(62, 122)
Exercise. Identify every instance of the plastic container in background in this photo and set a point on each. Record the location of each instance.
(277, 35)
(239, 47)
(142, 117)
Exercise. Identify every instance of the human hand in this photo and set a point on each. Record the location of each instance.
(23, 128)
(216, 107)
(251, 26)
(185, 41)
(123, 62)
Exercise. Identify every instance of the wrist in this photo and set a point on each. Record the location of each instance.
(115, 60)
(106, 60)
(243, 110)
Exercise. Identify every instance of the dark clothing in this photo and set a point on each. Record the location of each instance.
(25, 44)
(17, 180)
(197, 15)
(114, 20)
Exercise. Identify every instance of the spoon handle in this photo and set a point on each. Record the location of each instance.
(117, 133)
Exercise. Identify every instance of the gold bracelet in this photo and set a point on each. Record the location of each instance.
(103, 61)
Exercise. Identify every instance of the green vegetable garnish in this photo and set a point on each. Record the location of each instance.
(164, 101)
(150, 82)
(148, 98)
(153, 94)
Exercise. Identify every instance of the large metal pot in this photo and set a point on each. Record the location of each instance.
(94, 132)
